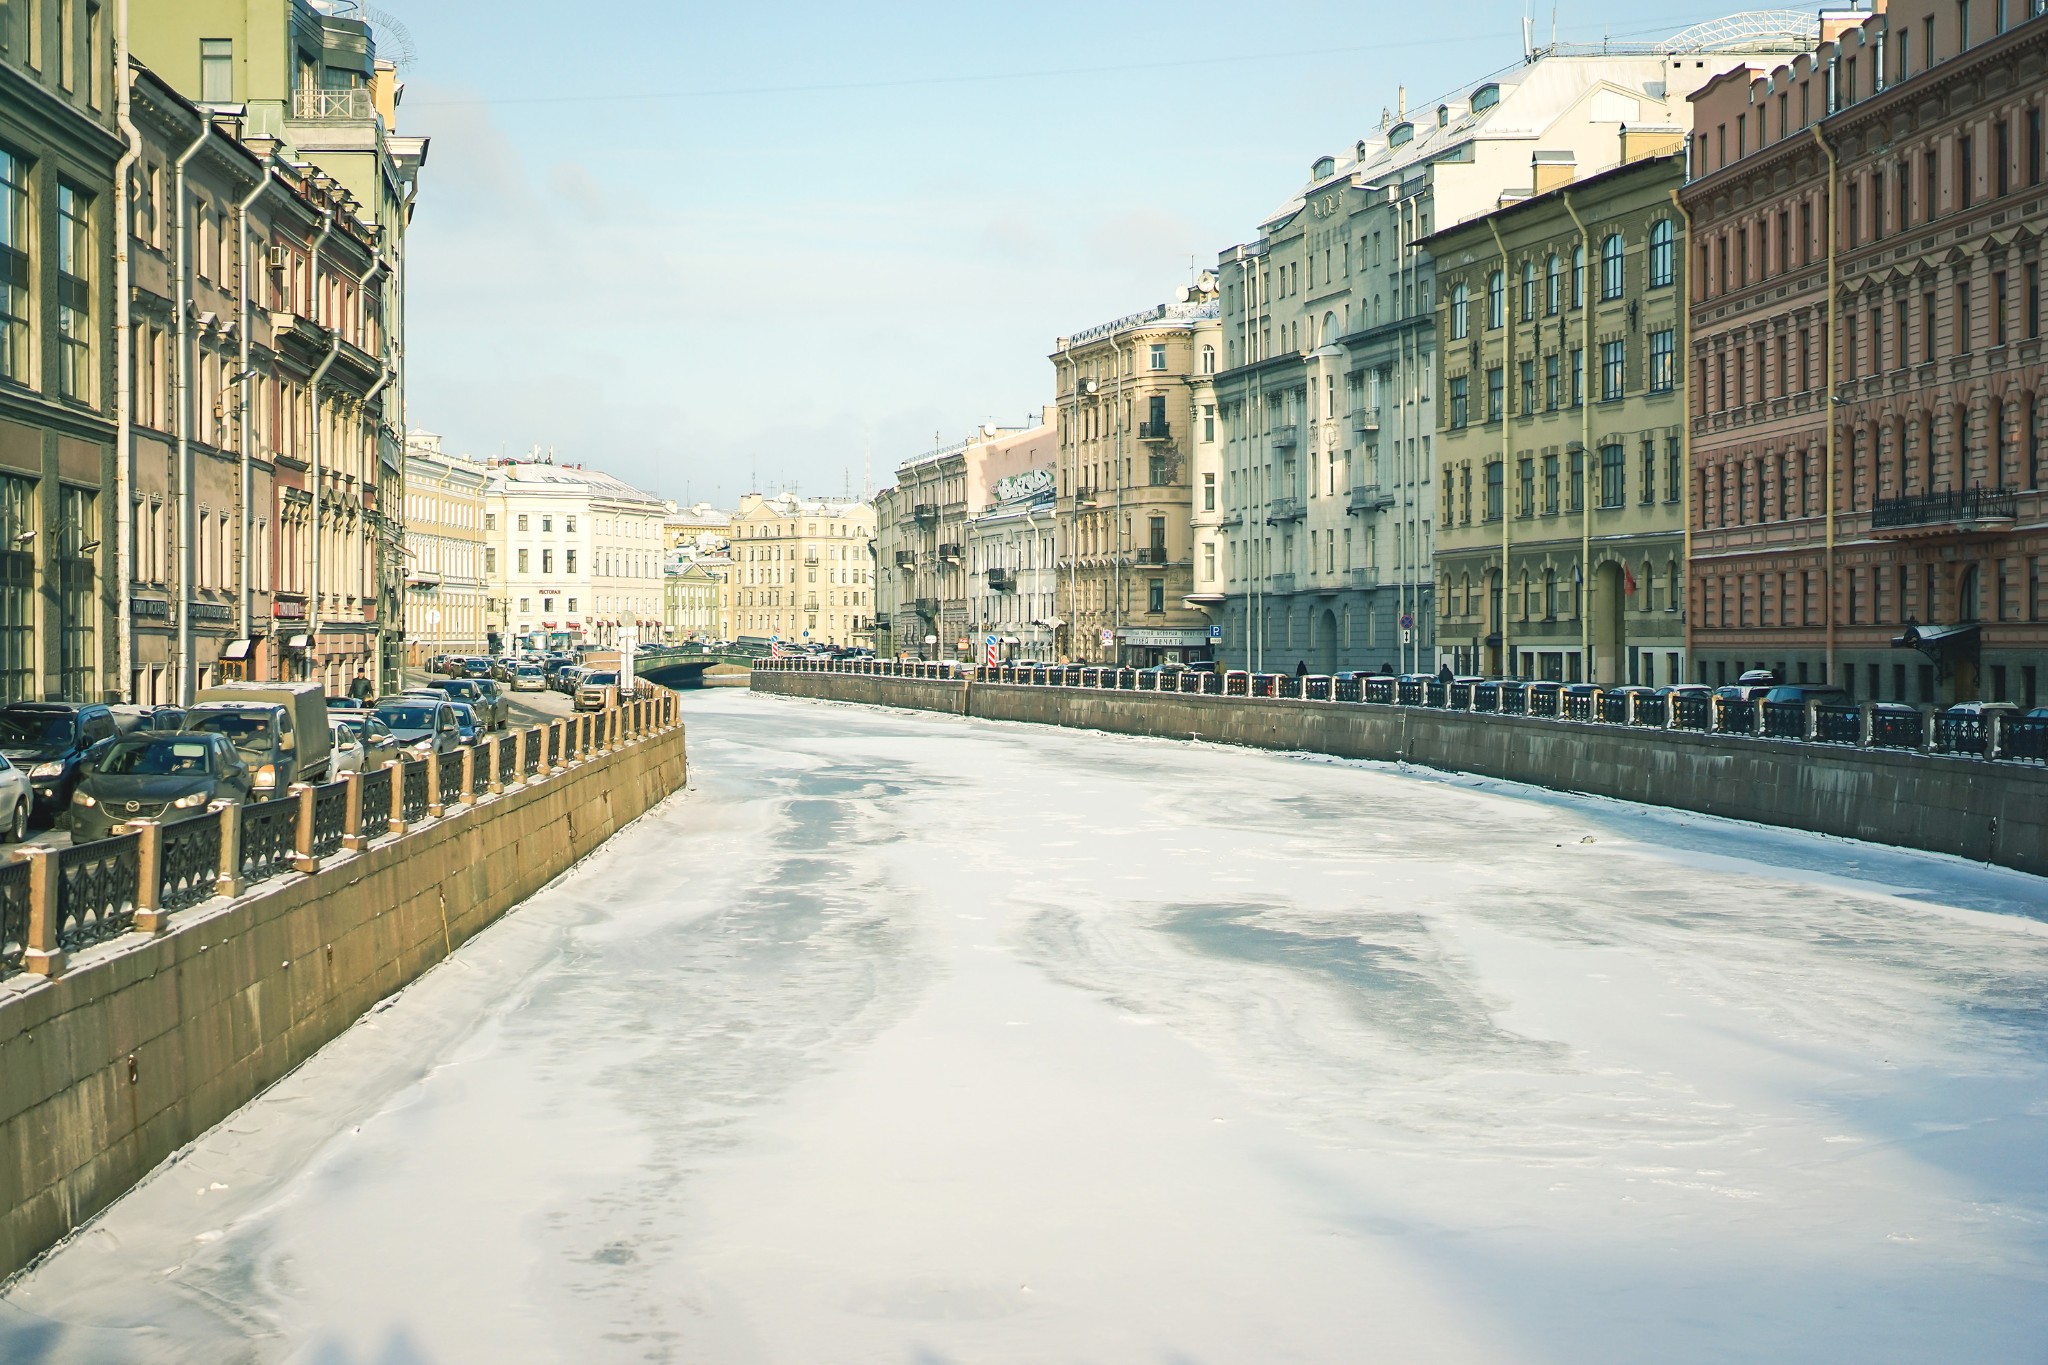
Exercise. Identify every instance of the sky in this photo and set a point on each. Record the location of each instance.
(720, 248)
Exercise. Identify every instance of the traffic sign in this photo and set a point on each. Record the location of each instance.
(1407, 621)
(1109, 639)
(990, 651)
(1215, 632)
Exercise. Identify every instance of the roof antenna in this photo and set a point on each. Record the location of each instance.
(1528, 36)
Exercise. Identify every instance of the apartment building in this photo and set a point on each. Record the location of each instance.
(1013, 584)
(1331, 374)
(1135, 400)
(1866, 444)
(59, 473)
(573, 556)
(802, 570)
(694, 595)
(445, 585)
(1560, 542)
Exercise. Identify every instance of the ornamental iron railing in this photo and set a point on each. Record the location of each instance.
(96, 886)
(269, 838)
(189, 872)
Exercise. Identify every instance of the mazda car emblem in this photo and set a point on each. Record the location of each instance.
(134, 806)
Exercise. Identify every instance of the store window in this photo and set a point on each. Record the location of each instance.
(78, 544)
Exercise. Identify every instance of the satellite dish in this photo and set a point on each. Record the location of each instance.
(988, 428)
(394, 40)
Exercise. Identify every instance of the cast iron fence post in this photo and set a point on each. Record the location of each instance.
(519, 759)
(352, 836)
(150, 916)
(1866, 724)
(434, 810)
(492, 784)
(467, 796)
(397, 825)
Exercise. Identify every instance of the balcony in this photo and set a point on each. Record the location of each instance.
(1285, 509)
(1001, 580)
(1154, 555)
(906, 559)
(1084, 494)
(1286, 438)
(1368, 497)
(1231, 520)
(1958, 512)
(925, 511)
(1364, 423)
(1366, 579)
(333, 106)
(927, 607)
(950, 553)
(1280, 584)
(1155, 431)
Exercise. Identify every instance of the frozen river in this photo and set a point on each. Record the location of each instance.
(902, 1038)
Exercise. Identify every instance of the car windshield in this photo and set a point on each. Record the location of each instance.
(247, 731)
(600, 679)
(156, 758)
(407, 717)
(35, 729)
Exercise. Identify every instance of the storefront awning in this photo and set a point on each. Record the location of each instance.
(237, 649)
(298, 642)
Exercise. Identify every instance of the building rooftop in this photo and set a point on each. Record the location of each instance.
(538, 477)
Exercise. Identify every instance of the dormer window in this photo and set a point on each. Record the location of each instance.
(1485, 97)
(1400, 133)
(1443, 116)
(1325, 167)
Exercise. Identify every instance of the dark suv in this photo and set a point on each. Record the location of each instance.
(49, 739)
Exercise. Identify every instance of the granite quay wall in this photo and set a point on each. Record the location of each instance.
(1985, 811)
(162, 978)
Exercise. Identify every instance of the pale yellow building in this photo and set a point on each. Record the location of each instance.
(444, 552)
(802, 572)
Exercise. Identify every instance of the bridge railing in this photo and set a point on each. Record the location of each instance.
(1989, 734)
(58, 902)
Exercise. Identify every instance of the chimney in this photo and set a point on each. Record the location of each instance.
(1553, 170)
(1401, 98)
(1637, 143)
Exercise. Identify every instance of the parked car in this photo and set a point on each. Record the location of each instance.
(422, 725)
(147, 719)
(157, 777)
(50, 739)
(475, 668)
(347, 704)
(17, 799)
(346, 753)
(482, 693)
(1825, 693)
(467, 723)
(529, 678)
(378, 744)
(596, 690)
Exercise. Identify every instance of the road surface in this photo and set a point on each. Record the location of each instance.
(905, 1038)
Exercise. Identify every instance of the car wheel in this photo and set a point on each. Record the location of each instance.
(17, 824)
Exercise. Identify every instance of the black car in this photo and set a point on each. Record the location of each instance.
(50, 739)
(156, 777)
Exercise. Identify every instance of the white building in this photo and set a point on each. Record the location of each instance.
(1014, 580)
(574, 556)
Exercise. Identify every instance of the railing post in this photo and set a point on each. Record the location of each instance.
(1926, 728)
(1812, 726)
(352, 836)
(1756, 716)
(229, 883)
(1994, 726)
(434, 807)
(396, 824)
(519, 759)
(467, 796)
(302, 832)
(149, 878)
(1866, 724)
(42, 956)
(1713, 714)
(493, 746)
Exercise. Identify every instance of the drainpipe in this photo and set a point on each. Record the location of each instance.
(374, 536)
(313, 583)
(124, 360)
(1828, 362)
(1506, 369)
(1585, 442)
(185, 507)
(248, 378)
(1682, 355)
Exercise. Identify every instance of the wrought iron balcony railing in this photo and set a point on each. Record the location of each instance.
(1962, 509)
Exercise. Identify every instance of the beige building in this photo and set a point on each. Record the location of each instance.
(444, 552)
(699, 528)
(573, 556)
(1560, 547)
(694, 599)
(1135, 402)
(802, 572)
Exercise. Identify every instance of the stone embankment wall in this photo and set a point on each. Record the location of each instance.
(146, 1042)
(1995, 813)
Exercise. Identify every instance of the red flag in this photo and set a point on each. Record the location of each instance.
(1628, 580)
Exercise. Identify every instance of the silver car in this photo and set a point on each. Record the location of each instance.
(17, 800)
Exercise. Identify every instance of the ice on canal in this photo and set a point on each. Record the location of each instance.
(905, 1038)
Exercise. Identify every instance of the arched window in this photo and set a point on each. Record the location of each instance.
(1579, 276)
(1460, 322)
(1610, 267)
(1528, 290)
(1550, 594)
(1208, 360)
(1554, 298)
(1496, 300)
(1663, 253)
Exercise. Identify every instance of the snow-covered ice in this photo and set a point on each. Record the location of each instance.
(903, 1038)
